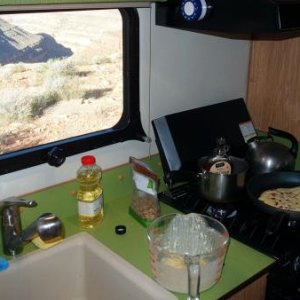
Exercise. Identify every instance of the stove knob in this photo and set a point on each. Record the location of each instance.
(195, 10)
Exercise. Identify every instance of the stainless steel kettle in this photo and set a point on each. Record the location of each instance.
(265, 156)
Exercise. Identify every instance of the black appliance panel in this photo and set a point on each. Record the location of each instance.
(182, 138)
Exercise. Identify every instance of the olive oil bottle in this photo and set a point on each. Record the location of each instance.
(90, 193)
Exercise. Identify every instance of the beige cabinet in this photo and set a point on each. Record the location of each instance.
(256, 290)
(273, 97)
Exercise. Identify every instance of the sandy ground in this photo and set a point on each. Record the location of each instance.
(87, 35)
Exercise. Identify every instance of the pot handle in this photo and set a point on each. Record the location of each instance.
(288, 136)
(202, 175)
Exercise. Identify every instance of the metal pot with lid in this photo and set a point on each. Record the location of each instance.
(222, 188)
(220, 178)
(265, 156)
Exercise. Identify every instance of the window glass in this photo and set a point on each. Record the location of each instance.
(62, 83)
(61, 76)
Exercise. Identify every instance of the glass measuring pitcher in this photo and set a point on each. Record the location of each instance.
(187, 252)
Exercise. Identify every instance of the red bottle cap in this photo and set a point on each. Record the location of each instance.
(88, 160)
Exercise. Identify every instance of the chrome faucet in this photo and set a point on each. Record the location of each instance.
(48, 227)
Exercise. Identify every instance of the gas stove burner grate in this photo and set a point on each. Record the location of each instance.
(183, 197)
(220, 212)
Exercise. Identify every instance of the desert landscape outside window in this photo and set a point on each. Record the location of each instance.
(62, 82)
(61, 76)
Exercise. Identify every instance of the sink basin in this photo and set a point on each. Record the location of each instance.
(79, 268)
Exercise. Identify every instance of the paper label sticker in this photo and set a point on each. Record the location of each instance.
(247, 130)
(90, 209)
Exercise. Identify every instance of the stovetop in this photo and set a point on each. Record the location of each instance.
(274, 235)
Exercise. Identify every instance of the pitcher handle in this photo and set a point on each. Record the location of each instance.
(194, 278)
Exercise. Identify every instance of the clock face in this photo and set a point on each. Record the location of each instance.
(189, 8)
(193, 10)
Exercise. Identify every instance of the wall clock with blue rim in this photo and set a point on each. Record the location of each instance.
(195, 10)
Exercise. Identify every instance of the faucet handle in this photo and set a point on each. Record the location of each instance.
(10, 201)
(11, 226)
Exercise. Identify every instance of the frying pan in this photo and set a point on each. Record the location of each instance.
(260, 183)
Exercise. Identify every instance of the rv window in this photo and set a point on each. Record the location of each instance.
(69, 83)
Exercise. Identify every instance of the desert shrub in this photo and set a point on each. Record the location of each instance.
(56, 84)
(40, 68)
(2, 144)
(11, 69)
(53, 81)
(85, 60)
(60, 76)
(60, 67)
(40, 102)
(21, 105)
(67, 88)
(73, 91)
(18, 68)
(9, 98)
(55, 68)
(100, 60)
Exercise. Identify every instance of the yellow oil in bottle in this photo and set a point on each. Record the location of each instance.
(88, 222)
(90, 194)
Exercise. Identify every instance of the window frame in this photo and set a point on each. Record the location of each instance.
(129, 126)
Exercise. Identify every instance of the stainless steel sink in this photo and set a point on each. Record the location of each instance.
(79, 268)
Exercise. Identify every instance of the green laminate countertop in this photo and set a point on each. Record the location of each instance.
(242, 263)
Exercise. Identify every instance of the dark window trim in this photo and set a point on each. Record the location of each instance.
(128, 128)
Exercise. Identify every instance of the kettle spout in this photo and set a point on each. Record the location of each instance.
(252, 143)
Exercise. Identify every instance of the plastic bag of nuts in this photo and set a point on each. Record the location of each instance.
(144, 205)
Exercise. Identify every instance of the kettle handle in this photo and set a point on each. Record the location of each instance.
(259, 138)
(288, 136)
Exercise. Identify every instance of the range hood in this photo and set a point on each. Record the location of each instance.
(231, 16)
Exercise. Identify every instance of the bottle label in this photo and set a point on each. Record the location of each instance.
(90, 209)
(221, 167)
